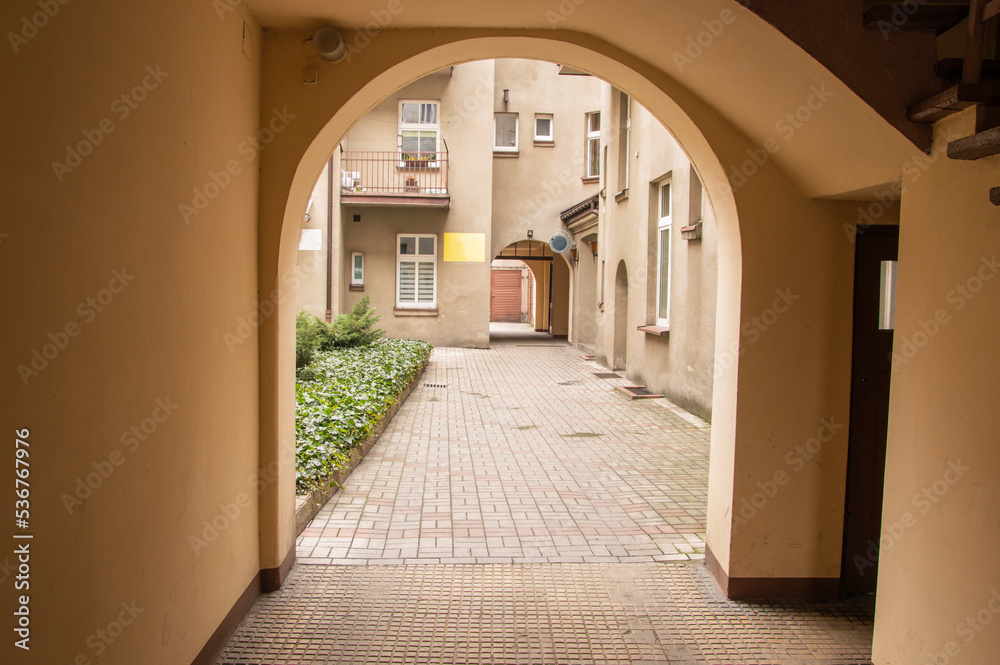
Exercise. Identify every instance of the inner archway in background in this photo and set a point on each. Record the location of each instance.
(621, 318)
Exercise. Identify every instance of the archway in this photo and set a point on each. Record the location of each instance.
(307, 158)
(760, 552)
(551, 284)
(585, 300)
(620, 359)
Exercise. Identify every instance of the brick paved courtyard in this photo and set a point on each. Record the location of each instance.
(521, 454)
(518, 509)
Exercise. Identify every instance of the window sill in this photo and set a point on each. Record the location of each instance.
(622, 195)
(357, 287)
(414, 311)
(692, 232)
(660, 331)
(545, 143)
(505, 153)
(590, 179)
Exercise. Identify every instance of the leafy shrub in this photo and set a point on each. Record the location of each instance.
(310, 333)
(355, 328)
(340, 398)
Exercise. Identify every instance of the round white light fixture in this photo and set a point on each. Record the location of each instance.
(329, 44)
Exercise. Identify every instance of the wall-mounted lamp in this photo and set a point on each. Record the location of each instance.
(329, 44)
(572, 252)
(531, 234)
(593, 248)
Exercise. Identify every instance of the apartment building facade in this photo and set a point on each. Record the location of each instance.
(508, 159)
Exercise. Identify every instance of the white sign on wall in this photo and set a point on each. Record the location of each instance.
(311, 240)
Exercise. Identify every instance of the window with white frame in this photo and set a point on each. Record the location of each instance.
(419, 132)
(593, 147)
(357, 269)
(664, 226)
(544, 131)
(624, 138)
(416, 271)
(505, 132)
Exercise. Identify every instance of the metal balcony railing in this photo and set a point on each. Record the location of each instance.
(394, 173)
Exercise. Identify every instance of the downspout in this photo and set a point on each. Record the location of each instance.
(329, 241)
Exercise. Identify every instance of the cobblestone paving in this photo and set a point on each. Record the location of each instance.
(537, 613)
(521, 454)
(519, 510)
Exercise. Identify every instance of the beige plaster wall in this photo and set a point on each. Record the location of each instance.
(143, 425)
(463, 293)
(531, 189)
(938, 579)
(463, 287)
(681, 364)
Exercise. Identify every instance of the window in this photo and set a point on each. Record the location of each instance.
(357, 269)
(505, 132)
(419, 133)
(887, 296)
(663, 228)
(624, 135)
(416, 271)
(543, 128)
(593, 147)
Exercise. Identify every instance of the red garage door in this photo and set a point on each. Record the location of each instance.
(505, 295)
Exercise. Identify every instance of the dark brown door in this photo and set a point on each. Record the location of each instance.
(874, 285)
(505, 295)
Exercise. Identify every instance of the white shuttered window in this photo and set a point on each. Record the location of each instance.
(416, 271)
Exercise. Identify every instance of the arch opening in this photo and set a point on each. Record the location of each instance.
(315, 155)
(620, 358)
(709, 142)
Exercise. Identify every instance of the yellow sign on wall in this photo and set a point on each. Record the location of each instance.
(468, 247)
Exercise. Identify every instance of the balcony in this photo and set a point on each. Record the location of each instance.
(395, 178)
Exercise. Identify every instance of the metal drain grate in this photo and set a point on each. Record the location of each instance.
(435, 385)
(606, 375)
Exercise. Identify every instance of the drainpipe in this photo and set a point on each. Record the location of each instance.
(329, 241)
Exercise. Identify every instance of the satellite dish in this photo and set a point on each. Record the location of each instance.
(560, 242)
(329, 44)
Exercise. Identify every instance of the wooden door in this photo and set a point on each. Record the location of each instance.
(870, 373)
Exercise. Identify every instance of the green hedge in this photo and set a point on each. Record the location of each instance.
(340, 398)
(353, 328)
